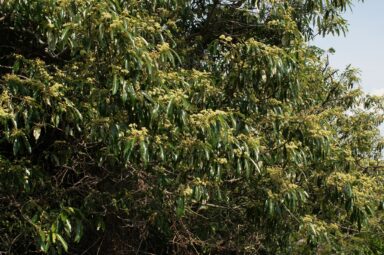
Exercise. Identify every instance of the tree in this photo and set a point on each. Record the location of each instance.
(186, 127)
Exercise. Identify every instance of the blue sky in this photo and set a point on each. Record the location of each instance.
(363, 46)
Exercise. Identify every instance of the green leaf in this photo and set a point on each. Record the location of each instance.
(170, 108)
(67, 227)
(78, 231)
(115, 84)
(128, 148)
(180, 207)
(144, 152)
(16, 146)
(64, 34)
(63, 242)
(247, 169)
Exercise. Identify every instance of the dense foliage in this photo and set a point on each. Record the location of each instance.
(184, 127)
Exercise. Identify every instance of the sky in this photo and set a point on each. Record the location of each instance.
(363, 46)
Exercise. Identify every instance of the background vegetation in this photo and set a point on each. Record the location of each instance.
(184, 127)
